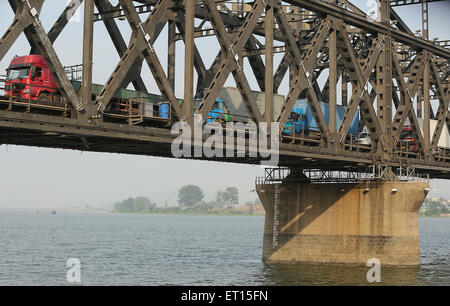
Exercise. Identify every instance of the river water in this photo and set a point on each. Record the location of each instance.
(127, 249)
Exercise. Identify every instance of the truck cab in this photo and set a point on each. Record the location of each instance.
(216, 113)
(296, 123)
(29, 78)
(407, 141)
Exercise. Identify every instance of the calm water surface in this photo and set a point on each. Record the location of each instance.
(121, 249)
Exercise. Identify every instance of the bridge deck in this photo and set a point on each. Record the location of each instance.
(29, 129)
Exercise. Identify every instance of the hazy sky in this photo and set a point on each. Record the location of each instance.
(48, 178)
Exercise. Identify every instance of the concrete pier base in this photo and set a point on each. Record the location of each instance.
(343, 223)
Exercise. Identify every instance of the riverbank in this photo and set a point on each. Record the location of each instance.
(215, 212)
(436, 216)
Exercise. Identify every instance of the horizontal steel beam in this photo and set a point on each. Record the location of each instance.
(410, 2)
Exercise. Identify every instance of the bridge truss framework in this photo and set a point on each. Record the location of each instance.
(393, 75)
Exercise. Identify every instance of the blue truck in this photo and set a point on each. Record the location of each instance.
(301, 119)
(217, 112)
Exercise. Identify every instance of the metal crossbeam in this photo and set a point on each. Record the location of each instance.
(410, 2)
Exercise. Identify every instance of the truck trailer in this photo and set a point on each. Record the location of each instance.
(301, 119)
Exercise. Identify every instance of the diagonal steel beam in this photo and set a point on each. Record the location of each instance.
(138, 44)
(443, 106)
(304, 66)
(281, 72)
(59, 25)
(150, 55)
(231, 48)
(401, 25)
(63, 19)
(134, 76)
(257, 64)
(61, 22)
(37, 36)
(359, 76)
(22, 20)
(409, 90)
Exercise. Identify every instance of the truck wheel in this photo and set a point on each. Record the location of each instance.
(44, 97)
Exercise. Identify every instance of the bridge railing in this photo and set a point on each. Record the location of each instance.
(16, 94)
(356, 175)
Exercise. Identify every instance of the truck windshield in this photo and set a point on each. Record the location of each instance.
(406, 135)
(18, 73)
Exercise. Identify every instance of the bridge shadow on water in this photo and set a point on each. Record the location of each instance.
(337, 275)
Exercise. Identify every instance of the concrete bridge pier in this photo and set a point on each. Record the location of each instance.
(342, 223)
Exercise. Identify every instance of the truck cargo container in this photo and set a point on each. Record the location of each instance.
(302, 120)
(238, 111)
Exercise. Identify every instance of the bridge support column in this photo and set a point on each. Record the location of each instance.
(342, 223)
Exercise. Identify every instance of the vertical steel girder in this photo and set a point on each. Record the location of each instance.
(332, 80)
(283, 67)
(171, 53)
(199, 65)
(188, 103)
(88, 49)
(268, 86)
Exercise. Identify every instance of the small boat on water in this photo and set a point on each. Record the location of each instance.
(53, 212)
(36, 212)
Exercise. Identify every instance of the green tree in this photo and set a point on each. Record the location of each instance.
(434, 208)
(190, 195)
(142, 204)
(220, 199)
(136, 205)
(232, 196)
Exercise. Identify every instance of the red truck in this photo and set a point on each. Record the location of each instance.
(28, 77)
(407, 141)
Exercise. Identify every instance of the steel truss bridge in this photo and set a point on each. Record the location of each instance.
(394, 76)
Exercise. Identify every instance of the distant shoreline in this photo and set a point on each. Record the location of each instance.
(192, 213)
(422, 216)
